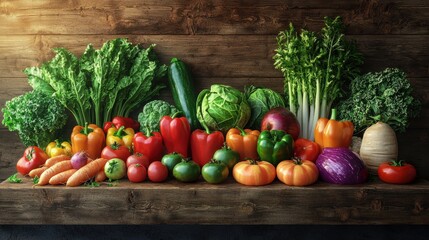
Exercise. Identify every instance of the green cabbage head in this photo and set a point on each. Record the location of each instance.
(221, 108)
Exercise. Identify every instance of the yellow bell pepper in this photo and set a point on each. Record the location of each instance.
(122, 136)
(56, 148)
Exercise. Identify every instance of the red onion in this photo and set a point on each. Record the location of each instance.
(341, 166)
(79, 159)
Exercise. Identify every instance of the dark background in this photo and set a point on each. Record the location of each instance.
(227, 232)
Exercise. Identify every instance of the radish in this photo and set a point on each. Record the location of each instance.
(79, 159)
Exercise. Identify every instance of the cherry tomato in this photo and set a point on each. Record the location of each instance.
(138, 158)
(136, 173)
(306, 149)
(397, 172)
(115, 151)
(32, 158)
(297, 172)
(157, 172)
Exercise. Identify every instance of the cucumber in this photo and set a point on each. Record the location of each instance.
(183, 91)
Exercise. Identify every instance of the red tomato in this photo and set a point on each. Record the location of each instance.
(157, 172)
(297, 172)
(254, 173)
(115, 151)
(136, 173)
(306, 149)
(32, 158)
(397, 172)
(138, 158)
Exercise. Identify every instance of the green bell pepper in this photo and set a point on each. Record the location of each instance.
(275, 146)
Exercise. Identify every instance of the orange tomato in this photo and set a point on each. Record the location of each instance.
(297, 172)
(254, 173)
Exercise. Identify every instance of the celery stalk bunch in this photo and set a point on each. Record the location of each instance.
(316, 68)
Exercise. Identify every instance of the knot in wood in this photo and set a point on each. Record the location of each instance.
(377, 205)
(361, 195)
(247, 208)
(131, 200)
(343, 214)
(418, 208)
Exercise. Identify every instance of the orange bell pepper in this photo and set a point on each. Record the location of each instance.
(333, 133)
(244, 142)
(89, 138)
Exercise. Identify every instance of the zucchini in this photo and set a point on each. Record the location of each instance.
(182, 89)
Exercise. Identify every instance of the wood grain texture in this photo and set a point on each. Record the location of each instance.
(202, 203)
(217, 55)
(208, 17)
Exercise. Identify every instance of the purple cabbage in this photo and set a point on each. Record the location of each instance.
(341, 166)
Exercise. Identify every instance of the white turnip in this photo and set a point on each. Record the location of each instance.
(379, 144)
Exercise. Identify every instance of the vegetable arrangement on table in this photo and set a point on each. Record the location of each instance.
(252, 136)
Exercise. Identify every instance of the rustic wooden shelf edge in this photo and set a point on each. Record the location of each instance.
(202, 203)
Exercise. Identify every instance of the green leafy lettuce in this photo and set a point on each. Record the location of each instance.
(103, 83)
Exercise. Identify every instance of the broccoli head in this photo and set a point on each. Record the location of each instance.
(152, 113)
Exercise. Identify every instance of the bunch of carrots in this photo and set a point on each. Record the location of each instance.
(59, 170)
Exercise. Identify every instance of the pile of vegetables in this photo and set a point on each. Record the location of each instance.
(250, 135)
(380, 104)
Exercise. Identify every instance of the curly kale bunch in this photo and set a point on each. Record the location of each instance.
(152, 113)
(381, 96)
(36, 117)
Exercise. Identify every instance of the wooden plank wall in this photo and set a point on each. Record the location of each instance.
(222, 41)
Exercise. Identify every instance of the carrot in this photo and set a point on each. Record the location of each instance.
(101, 176)
(89, 160)
(52, 171)
(62, 177)
(86, 172)
(37, 171)
(51, 161)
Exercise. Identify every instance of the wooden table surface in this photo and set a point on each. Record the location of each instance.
(173, 202)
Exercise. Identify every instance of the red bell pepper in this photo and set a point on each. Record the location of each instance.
(150, 146)
(118, 122)
(176, 133)
(204, 144)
